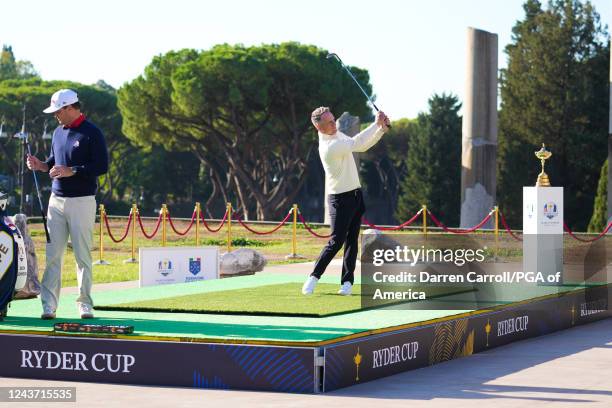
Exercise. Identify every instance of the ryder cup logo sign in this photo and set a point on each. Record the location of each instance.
(550, 210)
(195, 265)
(164, 267)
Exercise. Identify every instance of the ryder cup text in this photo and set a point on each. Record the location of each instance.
(52, 360)
(395, 354)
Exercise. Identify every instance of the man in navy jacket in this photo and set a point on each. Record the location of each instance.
(78, 157)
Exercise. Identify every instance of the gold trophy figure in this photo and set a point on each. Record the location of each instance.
(357, 361)
(543, 155)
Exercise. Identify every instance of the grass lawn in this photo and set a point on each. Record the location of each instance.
(274, 246)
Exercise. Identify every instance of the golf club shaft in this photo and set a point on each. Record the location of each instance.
(358, 84)
(42, 210)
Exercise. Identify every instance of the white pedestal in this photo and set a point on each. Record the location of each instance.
(543, 230)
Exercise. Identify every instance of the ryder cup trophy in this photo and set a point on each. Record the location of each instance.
(543, 226)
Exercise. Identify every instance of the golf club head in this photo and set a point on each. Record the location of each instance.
(334, 55)
(21, 135)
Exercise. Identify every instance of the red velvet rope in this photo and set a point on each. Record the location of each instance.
(213, 230)
(459, 231)
(405, 224)
(283, 222)
(310, 229)
(193, 218)
(125, 234)
(147, 236)
(505, 224)
(569, 231)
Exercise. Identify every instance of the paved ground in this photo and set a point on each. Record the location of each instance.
(571, 368)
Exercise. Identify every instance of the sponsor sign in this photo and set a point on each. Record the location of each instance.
(355, 361)
(543, 210)
(376, 357)
(266, 368)
(160, 266)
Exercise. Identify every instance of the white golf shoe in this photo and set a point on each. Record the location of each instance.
(85, 310)
(346, 289)
(309, 285)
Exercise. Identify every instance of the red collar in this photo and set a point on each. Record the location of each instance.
(76, 123)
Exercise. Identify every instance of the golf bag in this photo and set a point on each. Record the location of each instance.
(13, 264)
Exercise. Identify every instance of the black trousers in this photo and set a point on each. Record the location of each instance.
(345, 210)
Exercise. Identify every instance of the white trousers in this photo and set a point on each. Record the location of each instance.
(74, 217)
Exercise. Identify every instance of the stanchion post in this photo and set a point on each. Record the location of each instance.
(164, 211)
(134, 215)
(424, 209)
(294, 254)
(294, 240)
(496, 210)
(229, 227)
(198, 211)
(101, 261)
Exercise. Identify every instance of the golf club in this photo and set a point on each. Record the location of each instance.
(24, 137)
(334, 55)
(42, 210)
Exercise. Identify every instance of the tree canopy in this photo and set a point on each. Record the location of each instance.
(433, 162)
(244, 112)
(554, 91)
(99, 105)
(10, 68)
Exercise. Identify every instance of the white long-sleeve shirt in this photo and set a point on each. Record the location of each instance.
(336, 154)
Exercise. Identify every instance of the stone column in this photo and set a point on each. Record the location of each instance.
(479, 140)
(349, 125)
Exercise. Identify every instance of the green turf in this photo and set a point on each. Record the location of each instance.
(24, 315)
(283, 299)
(280, 299)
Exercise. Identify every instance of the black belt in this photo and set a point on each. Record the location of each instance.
(347, 193)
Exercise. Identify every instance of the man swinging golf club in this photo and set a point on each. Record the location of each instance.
(345, 199)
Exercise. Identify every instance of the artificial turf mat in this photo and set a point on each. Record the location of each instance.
(283, 299)
(24, 315)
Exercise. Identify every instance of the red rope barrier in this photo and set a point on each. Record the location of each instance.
(125, 234)
(212, 229)
(459, 231)
(193, 217)
(283, 222)
(147, 236)
(569, 231)
(405, 224)
(310, 229)
(505, 224)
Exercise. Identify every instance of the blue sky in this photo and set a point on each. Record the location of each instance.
(411, 48)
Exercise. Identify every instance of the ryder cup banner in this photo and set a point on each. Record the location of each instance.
(159, 266)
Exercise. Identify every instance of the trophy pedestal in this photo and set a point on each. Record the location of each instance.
(543, 232)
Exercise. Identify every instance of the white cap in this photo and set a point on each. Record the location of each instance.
(61, 98)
